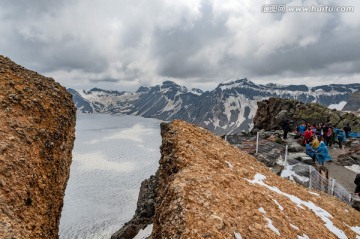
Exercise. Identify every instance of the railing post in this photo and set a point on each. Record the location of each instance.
(257, 142)
(310, 182)
(332, 186)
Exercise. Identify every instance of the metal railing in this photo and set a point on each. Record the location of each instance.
(273, 154)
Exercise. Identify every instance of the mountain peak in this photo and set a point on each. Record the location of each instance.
(232, 83)
(173, 86)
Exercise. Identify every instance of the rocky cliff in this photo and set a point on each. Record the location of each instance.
(207, 188)
(37, 134)
(272, 111)
(354, 102)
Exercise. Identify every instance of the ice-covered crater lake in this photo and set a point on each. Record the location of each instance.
(111, 156)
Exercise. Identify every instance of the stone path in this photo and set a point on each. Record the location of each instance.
(342, 175)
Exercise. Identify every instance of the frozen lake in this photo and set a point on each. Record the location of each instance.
(111, 156)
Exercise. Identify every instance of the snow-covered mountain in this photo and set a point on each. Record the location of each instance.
(229, 108)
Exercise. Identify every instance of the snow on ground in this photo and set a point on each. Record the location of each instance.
(289, 173)
(270, 225)
(111, 156)
(321, 213)
(144, 233)
(355, 168)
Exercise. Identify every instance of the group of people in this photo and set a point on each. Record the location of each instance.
(318, 137)
(323, 132)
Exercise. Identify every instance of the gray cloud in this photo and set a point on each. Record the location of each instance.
(128, 43)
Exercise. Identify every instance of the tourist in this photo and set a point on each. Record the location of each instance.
(347, 130)
(311, 152)
(307, 136)
(322, 153)
(329, 136)
(302, 129)
(357, 182)
(285, 124)
(341, 137)
(315, 142)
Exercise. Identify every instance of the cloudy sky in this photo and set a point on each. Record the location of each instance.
(122, 44)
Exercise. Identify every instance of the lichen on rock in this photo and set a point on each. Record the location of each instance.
(37, 133)
(209, 189)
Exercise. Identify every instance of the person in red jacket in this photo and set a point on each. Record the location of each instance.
(308, 135)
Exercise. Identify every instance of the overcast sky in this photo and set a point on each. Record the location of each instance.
(122, 44)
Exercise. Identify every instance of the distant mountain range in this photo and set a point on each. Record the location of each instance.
(229, 108)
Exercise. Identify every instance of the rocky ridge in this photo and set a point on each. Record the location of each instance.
(206, 188)
(354, 102)
(227, 109)
(272, 111)
(37, 134)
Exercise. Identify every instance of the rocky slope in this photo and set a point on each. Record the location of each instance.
(207, 188)
(272, 111)
(37, 134)
(229, 108)
(353, 103)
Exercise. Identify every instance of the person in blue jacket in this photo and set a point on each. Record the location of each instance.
(341, 137)
(322, 153)
(310, 151)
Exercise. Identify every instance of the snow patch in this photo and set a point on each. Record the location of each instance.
(316, 194)
(144, 233)
(290, 174)
(356, 229)
(338, 106)
(355, 168)
(237, 235)
(271, 226)
(280, 207)
(304, 236)
(262, 210)
(320, 212)
(295, 227)
(229, 164)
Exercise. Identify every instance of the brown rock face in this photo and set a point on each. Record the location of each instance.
(37, 134)
(210, 189)
(272, 111)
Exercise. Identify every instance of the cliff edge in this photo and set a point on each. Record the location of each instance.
(206, 188)
(36, 140)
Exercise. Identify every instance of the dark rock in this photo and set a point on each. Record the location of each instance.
(144, 212)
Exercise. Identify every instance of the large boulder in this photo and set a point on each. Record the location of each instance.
(37, 135)
(271, 112)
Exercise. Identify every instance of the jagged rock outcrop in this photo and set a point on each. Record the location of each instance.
(210, 189)
(37, 134)
(272, 111)
(144, 212)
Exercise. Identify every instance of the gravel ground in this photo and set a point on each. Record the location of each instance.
(342, 175)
